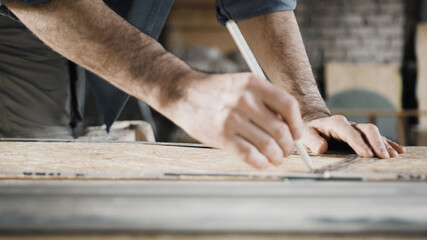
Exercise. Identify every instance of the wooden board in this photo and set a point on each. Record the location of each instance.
(137, 158)
(210, 209)
(213, 208)
(129, 157)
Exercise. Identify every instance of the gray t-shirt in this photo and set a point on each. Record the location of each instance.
(34, 86)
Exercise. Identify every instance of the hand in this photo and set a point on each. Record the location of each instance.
(239, 113)
(364, 138)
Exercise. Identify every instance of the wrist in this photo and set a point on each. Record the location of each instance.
(313, 114)
(174, 98)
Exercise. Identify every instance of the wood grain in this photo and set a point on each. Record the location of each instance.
(200, 209)
(145, 158)
(130, 158)
(182, 207)
(414, 161)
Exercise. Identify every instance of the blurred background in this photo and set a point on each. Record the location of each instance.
(368, 57)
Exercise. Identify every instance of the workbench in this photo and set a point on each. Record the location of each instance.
(103, 190)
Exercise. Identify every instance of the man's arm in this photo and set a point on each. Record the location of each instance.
(236, 112)
(276, 41)
(92, 35)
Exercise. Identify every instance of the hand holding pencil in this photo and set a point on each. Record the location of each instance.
(257, 70)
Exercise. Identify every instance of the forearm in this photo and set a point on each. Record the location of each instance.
(276, 41)
(236, 112)
(90, 34)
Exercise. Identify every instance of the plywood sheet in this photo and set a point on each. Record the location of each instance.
(145, 158)
(202, 207)
(131, 158)
(414, 161)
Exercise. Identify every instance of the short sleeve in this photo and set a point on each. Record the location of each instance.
(4, 11)
(243, 9)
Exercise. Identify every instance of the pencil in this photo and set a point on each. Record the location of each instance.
(257, 70)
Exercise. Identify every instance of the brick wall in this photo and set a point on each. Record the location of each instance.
(352, 31)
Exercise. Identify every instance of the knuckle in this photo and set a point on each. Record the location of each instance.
(283, 136)
(248, 155)
(293, 104)
(229, 121)
(243, 151)
(279, 132)
(352, 133)
(290, 103)
(371, 127)
(243, 100)
(287, 152)
(249, 81)
(230, 117)
(265, 145)
(339, 118)
(224, 131)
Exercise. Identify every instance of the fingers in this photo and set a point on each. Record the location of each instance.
(383, 147)
(261, 140)
(365, 139)
(391, 151)
(281, 102)
(314, 141)
(265, 119)
(339, 128)
(248, 123)
(355, 139)
(247, 152)
(397, 147)
(260, 125)
(372, 135)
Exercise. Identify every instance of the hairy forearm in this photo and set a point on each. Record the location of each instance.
(276, 41)
(236, 112)
(93, 36)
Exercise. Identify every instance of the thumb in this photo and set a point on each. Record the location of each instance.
(316, 143)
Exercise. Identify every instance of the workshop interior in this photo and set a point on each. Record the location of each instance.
(138, 175)
(380, 41)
